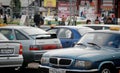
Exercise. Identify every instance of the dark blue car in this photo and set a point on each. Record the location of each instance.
(97, 51)
(69, 35)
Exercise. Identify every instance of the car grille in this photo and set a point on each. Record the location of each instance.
(60, 61)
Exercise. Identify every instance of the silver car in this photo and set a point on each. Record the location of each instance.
(10, 53)
(35, 42)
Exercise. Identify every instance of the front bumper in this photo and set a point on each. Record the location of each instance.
(45, 69)
(36, 56)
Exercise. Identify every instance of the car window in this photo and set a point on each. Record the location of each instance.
(96, 27)
(2, 37)
(64, 33)
(7, 33)
(105, 28)
(34, 31)
(114, 42)
(82, 31)
(102, 39)
(52, 31)
(20, 36)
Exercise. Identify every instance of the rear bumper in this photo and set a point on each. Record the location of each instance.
(45, 69)
(11, 61)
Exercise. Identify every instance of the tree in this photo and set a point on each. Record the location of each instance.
(16, 8)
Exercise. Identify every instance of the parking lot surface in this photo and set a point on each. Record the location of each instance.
(19, 71)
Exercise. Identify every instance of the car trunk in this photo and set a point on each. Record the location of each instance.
(46, 42)
(10, 49)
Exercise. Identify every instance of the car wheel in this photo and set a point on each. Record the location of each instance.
(107, 69)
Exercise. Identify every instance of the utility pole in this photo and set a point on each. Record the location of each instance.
(116, 10)
(40, 3)
(27, 15)
(70, 1)
(72, 10)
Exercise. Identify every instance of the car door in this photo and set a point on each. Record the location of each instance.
(65, 36)
(116, 43)
(24, 39)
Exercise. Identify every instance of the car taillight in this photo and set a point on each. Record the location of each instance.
(45, 47)
(20, 50)
(49, 47)
(34, 47)
(60, 46)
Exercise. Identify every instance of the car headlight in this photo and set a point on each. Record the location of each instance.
(83, 64)
(44, 60)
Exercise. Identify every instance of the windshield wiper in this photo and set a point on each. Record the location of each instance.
(81, 44)
(94, 44)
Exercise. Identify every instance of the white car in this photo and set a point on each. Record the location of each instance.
(101, 26)
(10, 53)
(78, 19)
(51, 20)
(35, 42)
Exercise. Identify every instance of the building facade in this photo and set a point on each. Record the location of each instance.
(104, 7)
(99, 7)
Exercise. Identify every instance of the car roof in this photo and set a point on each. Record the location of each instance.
(73, 27)
(107, 25)
(107, 31)
(16, 26)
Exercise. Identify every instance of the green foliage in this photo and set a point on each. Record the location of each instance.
(16, 7)
(1, 20)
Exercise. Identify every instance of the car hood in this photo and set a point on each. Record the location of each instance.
(82, 53)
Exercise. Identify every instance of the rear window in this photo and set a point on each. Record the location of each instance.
(47, 36)
(34, 31)
(98, 27)
(2, 37)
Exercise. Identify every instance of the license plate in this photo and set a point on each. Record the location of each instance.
(53, 70)
(6, 51)
(33, 65)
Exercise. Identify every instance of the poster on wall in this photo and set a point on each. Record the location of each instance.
(87, 11)
(64, 8)
(49, 3)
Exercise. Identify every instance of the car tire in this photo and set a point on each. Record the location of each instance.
(107, 69)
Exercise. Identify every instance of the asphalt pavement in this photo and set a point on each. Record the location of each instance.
(7, 70)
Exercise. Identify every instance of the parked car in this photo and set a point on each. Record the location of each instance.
(78, 19)
(10, 53)
(51, 20)
(97, 51)
(35, 42)
(69, 35)
(100, 26)
(45, 27)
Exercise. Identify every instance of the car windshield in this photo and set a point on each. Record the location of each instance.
(101, 39)
(82, 31)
